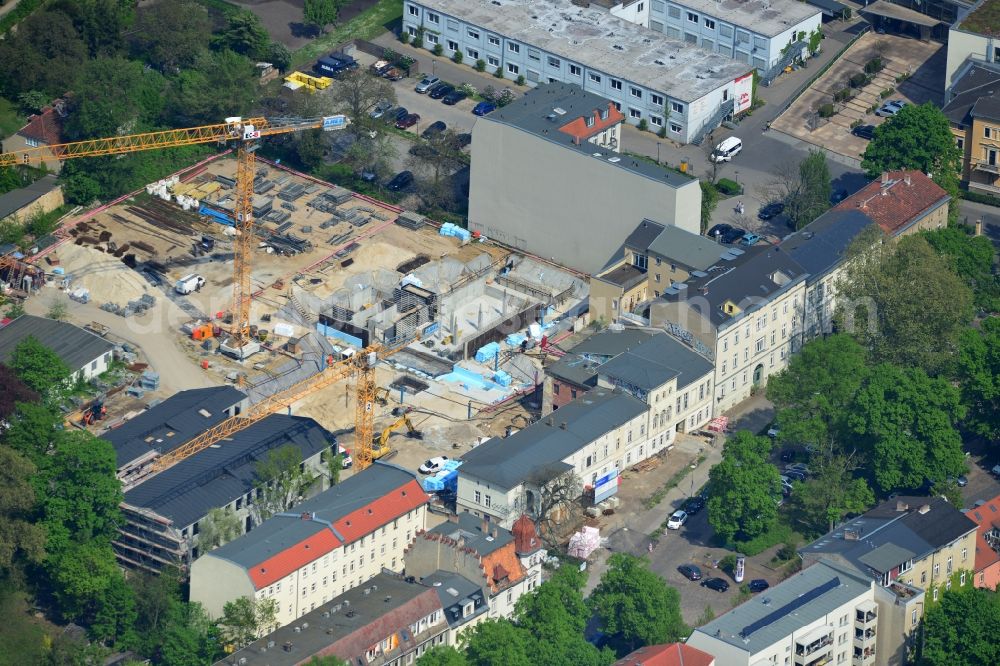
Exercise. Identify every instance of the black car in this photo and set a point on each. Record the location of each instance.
(758, 585)
(694, 505)
(397, 114)
(771, 211)
(795, 475)
(864, 132)
(716, 584)
(690, 571)
(400, 181)
(441, 90)
(454, 97)
(725, 233)
(434, 128)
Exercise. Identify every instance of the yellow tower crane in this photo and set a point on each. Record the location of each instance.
(245, 132)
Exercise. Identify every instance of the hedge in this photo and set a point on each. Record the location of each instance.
(979, 197)
(728, 187)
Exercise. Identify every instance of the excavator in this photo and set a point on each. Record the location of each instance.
(381, 448)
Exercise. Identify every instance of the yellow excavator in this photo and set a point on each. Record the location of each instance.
(381, 448)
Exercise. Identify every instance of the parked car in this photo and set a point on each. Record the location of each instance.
(426, 84)
(400, 181)
(960, 481)
(864, 131)
(727, 150)
(380, 109)
(796, 474)
(773, 431)
(441, 90)
(797, 467)
(433, 465)
(690, 571)
(400, 113)
(749, 239)
(434, 128)
(716, 584)
(758, 585)
(891, 108)
(771, 210)
(454, 97)
(694, 505)
(407, 121)
(995, 471)
(484, 108)
(725, 233)
(677, 519)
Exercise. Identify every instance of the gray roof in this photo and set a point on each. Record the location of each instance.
(656, 361)
(17, 199)
(594, 38)
(470, 529)
(75, 346)
(579, 365)
(820, 246)
(748, 279)
(785, 608)
(173, 422)
(218, 475)
(280, 532)
(872, 542)
(455, 592)
(530, 114)
(625, 276)
(644, 234)
(978, 80)
(687, 249)
(764, 17)
(536, 453)
(986, 107)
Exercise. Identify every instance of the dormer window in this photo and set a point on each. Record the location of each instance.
(604, 114)
(467, 609)
(590, 121)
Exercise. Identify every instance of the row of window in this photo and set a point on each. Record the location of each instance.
(725, 31)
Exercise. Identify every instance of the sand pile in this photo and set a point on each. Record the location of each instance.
(107, 278)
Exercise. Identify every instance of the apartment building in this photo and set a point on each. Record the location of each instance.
(535, 174)
(766, 34)
(825, 614)
(667, 654)
(671, 84)
(901, 203)
(973, 111)
(507, 564)
(986, 515)
(164, 515)
(910, 547)
(325, 546)
(746, 311)
(575, 372)
(387, 620)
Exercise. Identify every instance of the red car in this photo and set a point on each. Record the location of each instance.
(409, 120)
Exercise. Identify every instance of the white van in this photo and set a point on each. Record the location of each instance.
(726, 150)
(189, 283)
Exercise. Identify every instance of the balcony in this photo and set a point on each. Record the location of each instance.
(987, 167)
(863, 656)
(864, 638)
(805, 650)
(866, 613)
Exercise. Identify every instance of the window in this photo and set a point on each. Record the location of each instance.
(494, 40)
(710, 24)
(413, 10)
(641, 6)
(937, 571)
(433, 18)
(759, 346)
(493, 60)
(489, 501)
(692, 17)
(986, 132)
(657, 100)
(554, 62)
(472, 53)
(634, 113)
(512, 68)
(677, 107)
(452, 45)
(965, 553)
(513, 48)
(596, 78)
(431, 38)
(472, 34)
(949, 565)
(675, 128)
(534, 55)
(575, 70)
(656, 120)
(635, 92)
(742, 37)
(674, 12)
(479, 499)
(616, 85)
(411, 31)
(453, 25)
(618, 106)
(960, 142)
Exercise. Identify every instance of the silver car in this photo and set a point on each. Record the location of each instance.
(889, 109)
(427, 83)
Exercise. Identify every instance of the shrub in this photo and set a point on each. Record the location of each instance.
(456, 57)
(663, 132)
(786, 552)
(779, 532)
(498, 73)
(519, 80)
(468, 89)
(858, 80)
(728, 564)
(874, 65)
(438, 50)
(979, 197)
(404, 37)
(826, 110)
(728, 187)
(843, 95)
(857, 123)
(480, 65)
(418, 42)
(902, 77)
(643, 125)
(887, 92)
(504, 98)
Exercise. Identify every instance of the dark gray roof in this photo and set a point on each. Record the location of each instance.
(218, 475)
(625, 276)
(690, 250)
(455, 592)
(656, 361)
(758, 273)
(894, 529)
(579, 365)
(278, 533)
(538, 450)
(15, 200)
(470, 529)
(530, 113)
(785, 608)
(986, 107)
(75, 346)
(820, 246)
(185, 414)
(978, 81)
(643, 235)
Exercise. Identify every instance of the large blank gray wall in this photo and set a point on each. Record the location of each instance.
(558, 203)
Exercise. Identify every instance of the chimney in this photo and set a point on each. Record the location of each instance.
(906, 179)
(485, 527)
(550, 421)
(495, 531)
(885, 177)
(563, 425)
(852, 534)
(924, 508)
(902, 506)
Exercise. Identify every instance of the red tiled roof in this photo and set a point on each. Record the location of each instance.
(277, 567)
(579, 130)
(896, 200)
(668, 654)
(986, 516)
(367, 519)
(503, 568)
(45, 127)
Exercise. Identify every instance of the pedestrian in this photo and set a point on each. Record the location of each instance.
(649, 547)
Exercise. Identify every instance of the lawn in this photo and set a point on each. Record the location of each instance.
(366, 25)
(10, 119)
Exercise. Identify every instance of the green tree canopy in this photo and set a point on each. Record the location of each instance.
(442, 655)
(114, 96)
(38, 366)
(830, 494)
(904, 421)
(745, 488)
(970, 258)
(171, 35)
(961, 630)
(497, 643)
(21, 537)
(220, 84)
(44, 54)
(14, 391)
(320, 13)
(244, 34)
(32, 431)
(979, 375)
(812, 196)
(244, 620)
(634, 606)
(279, 478)
(99, 23)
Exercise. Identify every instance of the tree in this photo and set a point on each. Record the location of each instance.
(377, 153)
(709, 202)
(319, 13)
(44, 54)
(190, 638)
(245, 34)
(918, 137)
(356, 93)
(14, 391)
(634, 606)
(21, 538)
(279, 480)
(970, 258)
(171, 36)
(805, 189)
(100, 23)
(442, 655)
(309, 147)
(897, 321)
(961, 630)
(113, 96)
(219, 526)
(904, 421)
(439, 158)
(244, 620)
(979, 375)
(831, 493)
(278, 55)
(334, 466)
(32, 431)
(57, 310)
(220, 84)
(745, 488)
(38, 366)
(497, 643)
(814, 394)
